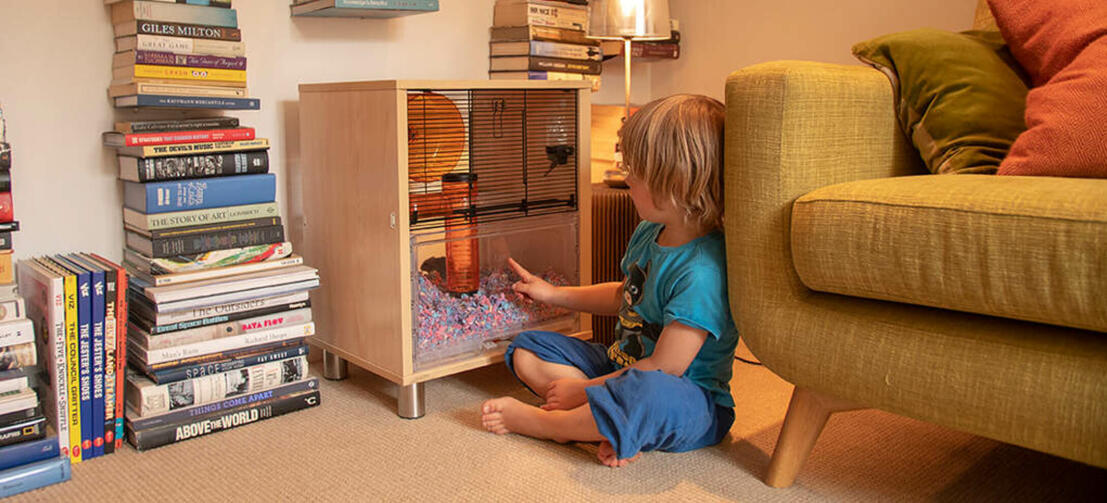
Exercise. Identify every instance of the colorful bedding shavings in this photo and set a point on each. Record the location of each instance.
(448, 324)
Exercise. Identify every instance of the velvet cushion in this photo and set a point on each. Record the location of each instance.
(1062, 44)
(957, 98)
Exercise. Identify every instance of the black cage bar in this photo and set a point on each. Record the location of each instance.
(520, 145)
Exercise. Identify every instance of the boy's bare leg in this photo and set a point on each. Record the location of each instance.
(538, 373)
(506, 415)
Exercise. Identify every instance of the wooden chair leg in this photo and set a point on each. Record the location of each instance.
(807, 415)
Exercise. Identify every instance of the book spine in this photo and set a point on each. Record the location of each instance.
(84, 327)
(226, 309)
(428, 5)
(187, 245)
(255, 293)
(165, 88)
(5, 244)
(23, 431)
(211, 357)
(176, 13)
(5, 181)
(210, 264)
(190, 60)
(568, 51)
(239, 416)
(9, 227)
(181, 373)
(111, 392)
(12, 309)
(34, 476)
(244, 268)
(121, 314)
(6, 208)
(188, 413)
(198, 217)
(29, 452)
(5, 156)
(46, 302)
(227, 329)
(215, 320)
(187, 30)
(253, 223)
(178, 149)
(148, 398)
(163, 197)
(546, 33)
(73, 369)
(18, 356)
(97, 311)
(188, 73)
(215, 102)
(565, 65)
(214, 288)
(156, 169)
(157, 356)
(180, 45)
(209, 135)
(15, 332)
(186, 125)
(555, 16)
(655, 50)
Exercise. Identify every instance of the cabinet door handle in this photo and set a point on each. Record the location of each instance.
(392, 220)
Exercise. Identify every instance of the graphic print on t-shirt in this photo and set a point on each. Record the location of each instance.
(629, 346)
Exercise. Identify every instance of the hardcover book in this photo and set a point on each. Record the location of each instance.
(539, 13)
(216, 272)
(158, 169)
(200, 243)
(114, 139)
(170, 101)
(158, 126)
(149, 222)
(170, 29)
(147, 397)
(132, 10)
(33, 476)
(546, 49)
(520, 63)
(174, 88)
(181, 45)
(131, 58)
(186, 413)
(164, 197)
(532, 32)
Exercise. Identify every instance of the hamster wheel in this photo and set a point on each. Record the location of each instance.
(435, 136)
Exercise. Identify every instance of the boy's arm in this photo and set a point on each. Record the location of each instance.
(603, 299)
(676, 347)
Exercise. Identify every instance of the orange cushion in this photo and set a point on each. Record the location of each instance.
(1062, 44)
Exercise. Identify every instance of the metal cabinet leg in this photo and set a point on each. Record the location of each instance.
(334, 367)
(411, 401)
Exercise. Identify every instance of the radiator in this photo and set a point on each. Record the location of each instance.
(613, 221)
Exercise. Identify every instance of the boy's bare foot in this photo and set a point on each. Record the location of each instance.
(506, 415)
(606, 453)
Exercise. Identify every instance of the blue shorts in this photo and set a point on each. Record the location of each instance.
(639, 410)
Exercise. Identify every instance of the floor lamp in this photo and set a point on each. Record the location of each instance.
(628, 20)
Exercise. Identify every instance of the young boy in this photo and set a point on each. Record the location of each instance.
(664, 384)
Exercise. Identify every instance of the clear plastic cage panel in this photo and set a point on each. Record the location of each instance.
(463, 303)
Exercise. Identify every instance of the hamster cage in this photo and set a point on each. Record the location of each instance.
(413, 196)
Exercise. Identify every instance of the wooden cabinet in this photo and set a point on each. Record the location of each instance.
(372, 158)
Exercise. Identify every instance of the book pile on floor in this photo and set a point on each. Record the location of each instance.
(33, 453)
(543, 40)
(361, 8)
(176, 55)
(219, 305)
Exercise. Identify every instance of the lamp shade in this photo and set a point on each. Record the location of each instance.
(628, 19)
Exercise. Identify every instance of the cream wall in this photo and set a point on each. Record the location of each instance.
(720, 36)
(56, 55)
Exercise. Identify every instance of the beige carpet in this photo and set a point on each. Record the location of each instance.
(354, 447)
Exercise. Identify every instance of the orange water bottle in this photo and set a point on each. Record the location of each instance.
(462, 247)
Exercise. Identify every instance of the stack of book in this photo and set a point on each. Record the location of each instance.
(178, 55)
(8, 224)
(219, 305)
(361, 8)
(33, 453)
(543, 40)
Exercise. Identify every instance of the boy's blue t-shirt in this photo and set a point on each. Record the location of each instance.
(686, 283)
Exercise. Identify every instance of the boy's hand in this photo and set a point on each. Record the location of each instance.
(566, 394)
(531, 286)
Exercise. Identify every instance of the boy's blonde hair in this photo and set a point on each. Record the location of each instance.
(675, 146)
